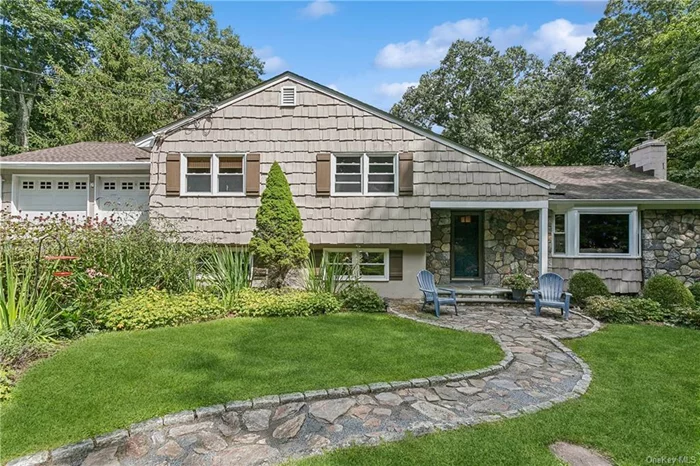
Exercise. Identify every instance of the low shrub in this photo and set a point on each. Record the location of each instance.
(22, 344)
(623, 310)
(151, 308)
(635, 310)
(695, 291)
(362, 298)
(284, 303)
(668, 291)
(583, 285)
(7, 381)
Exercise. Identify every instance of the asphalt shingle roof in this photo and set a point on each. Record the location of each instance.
(609, 182)
(83, 152)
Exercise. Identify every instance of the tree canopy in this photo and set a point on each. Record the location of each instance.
(639, 73)
(112, 69)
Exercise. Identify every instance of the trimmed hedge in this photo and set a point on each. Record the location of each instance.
(668, 291)
(151, 308)
(623, 310)
(362, 298)
(273, 303)
(583, 285)
(634, 310)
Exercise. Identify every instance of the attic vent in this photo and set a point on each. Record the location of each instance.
(288, 96)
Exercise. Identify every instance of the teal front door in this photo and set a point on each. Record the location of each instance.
(466, 246)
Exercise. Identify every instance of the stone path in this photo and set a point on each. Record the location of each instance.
(542, 372)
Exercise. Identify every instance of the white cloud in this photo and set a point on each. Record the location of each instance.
(416, 53)
(273, 63)
(549, 38)
(394, 90)
(334, 87)
(318, 9)
(559, 35)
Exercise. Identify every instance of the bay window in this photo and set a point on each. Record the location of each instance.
(370, 174)
(364, 264)
(212, 174)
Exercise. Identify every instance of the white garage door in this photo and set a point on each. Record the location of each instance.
(44, 196)
(123, 198)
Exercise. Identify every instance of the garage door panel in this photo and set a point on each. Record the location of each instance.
(46, 196)
(124, 199)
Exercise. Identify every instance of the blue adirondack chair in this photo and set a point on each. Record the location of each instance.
(426, 283)
(551, 294)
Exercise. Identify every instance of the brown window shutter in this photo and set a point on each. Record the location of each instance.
(406, 174)
(172, 174)
(323, 174)
(252, 174)
(395, 264)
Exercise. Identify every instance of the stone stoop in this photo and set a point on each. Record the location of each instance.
(475, 295)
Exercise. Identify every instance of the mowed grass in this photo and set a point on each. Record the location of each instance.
(109, 381)
(643, 405)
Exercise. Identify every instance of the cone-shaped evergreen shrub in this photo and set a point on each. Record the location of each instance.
(278, 240)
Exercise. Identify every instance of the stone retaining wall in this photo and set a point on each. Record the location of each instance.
(510, 244)
(671, 244)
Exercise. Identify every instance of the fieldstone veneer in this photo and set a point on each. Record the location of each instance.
(510, 244)
(671, 244)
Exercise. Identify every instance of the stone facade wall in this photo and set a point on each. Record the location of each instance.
(671, 244)
(510, 244)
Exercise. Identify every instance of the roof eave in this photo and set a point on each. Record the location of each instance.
(75, 165)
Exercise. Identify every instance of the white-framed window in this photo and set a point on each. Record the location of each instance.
(127, 185)
(213, 174)
(596, 232)
(27, 184)
(45, 185)
(364, 174)
(80, 185)
(559, 234)
(62, 185)
(144, 185)
(365, 264)
(109, 185)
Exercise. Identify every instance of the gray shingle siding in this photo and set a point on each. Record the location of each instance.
(293, 136)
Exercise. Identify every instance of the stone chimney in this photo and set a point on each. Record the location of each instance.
(649, 157)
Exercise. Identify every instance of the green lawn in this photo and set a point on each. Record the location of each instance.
(644, 402)
(109, 381)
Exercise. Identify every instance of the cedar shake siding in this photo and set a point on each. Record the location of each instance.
(294, 137)
(622, 276)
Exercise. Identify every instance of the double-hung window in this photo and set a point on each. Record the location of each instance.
(371, 174)
(364, 264)
(212, 174)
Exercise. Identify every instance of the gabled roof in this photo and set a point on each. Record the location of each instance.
(82, 152)
(604, 182)
(147, 141)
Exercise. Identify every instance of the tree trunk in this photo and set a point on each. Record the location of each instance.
(25, 104)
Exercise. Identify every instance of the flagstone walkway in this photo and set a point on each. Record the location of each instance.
(543, 372)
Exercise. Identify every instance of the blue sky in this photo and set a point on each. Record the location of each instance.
(373, 50)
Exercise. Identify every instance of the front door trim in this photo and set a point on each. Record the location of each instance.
(453, 216)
